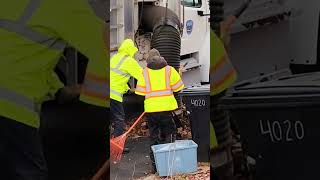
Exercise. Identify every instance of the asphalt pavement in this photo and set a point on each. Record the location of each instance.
(136, 163)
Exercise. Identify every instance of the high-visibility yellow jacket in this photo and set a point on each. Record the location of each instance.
(158, 86)
(33, 35)
(122, 66)
(222, 74)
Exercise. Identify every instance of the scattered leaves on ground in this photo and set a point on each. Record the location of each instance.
(203, 173)
(141, 130)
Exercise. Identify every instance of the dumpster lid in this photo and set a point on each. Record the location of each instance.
(196, 90)
(293, 91)
(308, 83)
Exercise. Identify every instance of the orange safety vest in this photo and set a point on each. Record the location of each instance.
(222, 73)
(158, 86)
(95, 89)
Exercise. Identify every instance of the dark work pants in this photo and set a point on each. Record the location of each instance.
(220, 119)
(162, 129)
(21, 156)
(117, 117)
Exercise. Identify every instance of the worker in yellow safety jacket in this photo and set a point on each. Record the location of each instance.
(158, 84)
(122, 67)
(222, 76)
(33, 36)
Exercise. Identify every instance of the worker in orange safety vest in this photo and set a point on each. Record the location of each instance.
(158, 85)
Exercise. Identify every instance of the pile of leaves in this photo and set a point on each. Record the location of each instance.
(203, 173)
(141, 130)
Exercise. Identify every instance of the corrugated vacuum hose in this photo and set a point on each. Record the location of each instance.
(166, 39)
(166, 28)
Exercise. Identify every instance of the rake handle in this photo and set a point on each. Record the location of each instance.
(134, 124)
(103, 171)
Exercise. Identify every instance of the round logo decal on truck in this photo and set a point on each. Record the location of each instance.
(189, 26)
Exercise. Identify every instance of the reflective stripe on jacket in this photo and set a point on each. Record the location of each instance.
(222, 73)
(122, 66)
(95, 90)
(158, 86)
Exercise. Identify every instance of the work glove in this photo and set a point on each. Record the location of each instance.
(181, 68)
(131, 91)
(225, 27)
(68, 94)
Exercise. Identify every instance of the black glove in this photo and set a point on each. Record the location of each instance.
(68, 94)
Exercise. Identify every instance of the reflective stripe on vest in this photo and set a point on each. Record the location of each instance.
(116, 93)
(18, 99)
(168, 75)
(117, 70)
(28, 11)
(222, 71)
(95, 86)
(147, 80)
(140, 89)
(20, 28)
(157, 93)
(177, 85)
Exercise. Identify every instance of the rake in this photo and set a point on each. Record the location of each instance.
(117, 143)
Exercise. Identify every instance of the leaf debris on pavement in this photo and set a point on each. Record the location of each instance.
(141, 130)
(203, 173)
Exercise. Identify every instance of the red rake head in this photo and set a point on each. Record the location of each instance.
(116, 147)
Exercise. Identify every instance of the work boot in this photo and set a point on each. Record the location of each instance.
(153, 169)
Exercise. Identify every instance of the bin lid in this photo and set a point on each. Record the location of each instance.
(196, 90)
(295, 89)
(293, 84)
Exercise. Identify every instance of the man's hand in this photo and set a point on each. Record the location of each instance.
(225, 29)
(74, 89)
(182, 68)
(131, 91)
(68, 93)
(225, 26)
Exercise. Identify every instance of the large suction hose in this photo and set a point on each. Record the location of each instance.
(166, 38)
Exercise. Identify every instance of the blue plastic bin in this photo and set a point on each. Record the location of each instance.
(175, 158)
